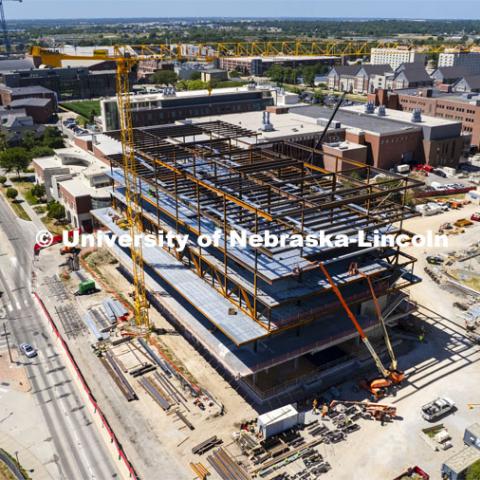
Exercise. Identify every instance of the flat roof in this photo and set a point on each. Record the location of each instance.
(404, 117)
(358, 120)
(284, 125)
(283, 58)
(463, 459)
(278, 415)
(32, 102)
(355, 117)
(48, 162)
(78, 187)
(154, 97)
(27, 90)
(450, 96)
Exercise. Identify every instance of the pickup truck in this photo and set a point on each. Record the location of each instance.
(437, 408)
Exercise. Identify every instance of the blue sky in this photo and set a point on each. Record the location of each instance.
(262, 8)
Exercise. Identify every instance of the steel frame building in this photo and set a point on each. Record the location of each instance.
(264, 312)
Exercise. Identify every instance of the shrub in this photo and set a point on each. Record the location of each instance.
(38, 190)
(12, 193)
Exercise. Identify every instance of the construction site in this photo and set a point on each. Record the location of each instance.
(268, 317)
(258, 360)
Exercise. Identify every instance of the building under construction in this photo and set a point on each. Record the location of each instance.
(266, 316)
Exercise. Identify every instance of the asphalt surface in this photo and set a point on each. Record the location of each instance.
(80, 451)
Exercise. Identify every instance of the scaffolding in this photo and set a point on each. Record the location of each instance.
(200, 178)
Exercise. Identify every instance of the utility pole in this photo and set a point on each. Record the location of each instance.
(8, 343)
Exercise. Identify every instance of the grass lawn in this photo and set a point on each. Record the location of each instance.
(20, 211)
(55, 229)
(40, 209)
(24, 189)
(17, 207)
(83, 107)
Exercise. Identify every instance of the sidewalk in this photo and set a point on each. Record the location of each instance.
(39, 225)
(29, 461)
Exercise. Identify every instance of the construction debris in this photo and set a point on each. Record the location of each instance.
(156, 392)
(226, 466)
(199, 470)
(207, 445)
(109, 362)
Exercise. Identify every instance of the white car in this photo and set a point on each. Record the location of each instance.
(28, 350)
(438, 408)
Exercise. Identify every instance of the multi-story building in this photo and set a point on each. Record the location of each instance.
(471, 60)
(450, 75)
(259, 65)
(77, 180)
(395, 137)
(67, 83)
(396, 56)
(9, 94)
(164, 108)
(265, 316)
(464, 108)
(355, 78)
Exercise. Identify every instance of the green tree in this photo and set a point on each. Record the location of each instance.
(3, 141)
(3, 180)
(318, 96)
(196, 76)
(28, 140)
(164, 77)
(15, 159)
(12, 193)
(52, 137)
(473, 472)
(38, 190)
(55, 210)
(41, 151)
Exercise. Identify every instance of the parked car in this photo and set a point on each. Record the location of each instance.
(475, 217)
(438, 408)
(28, 350)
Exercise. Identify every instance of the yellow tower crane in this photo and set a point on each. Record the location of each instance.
(126, 56)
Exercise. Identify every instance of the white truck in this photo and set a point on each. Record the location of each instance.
(438, 408)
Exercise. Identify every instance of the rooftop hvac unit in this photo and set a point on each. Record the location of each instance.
(266, 125)
(417, 115)
(336, 124)
(381, 111)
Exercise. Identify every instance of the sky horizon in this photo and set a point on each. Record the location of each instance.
(360, 9)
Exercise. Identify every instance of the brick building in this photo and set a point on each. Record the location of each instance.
(77, 180)
(394, 137)
(464, 108)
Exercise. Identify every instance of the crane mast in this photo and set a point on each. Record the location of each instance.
(132, 191)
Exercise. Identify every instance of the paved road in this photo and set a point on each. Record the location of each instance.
(80, 451)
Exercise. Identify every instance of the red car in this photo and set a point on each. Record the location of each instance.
(475, 217)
